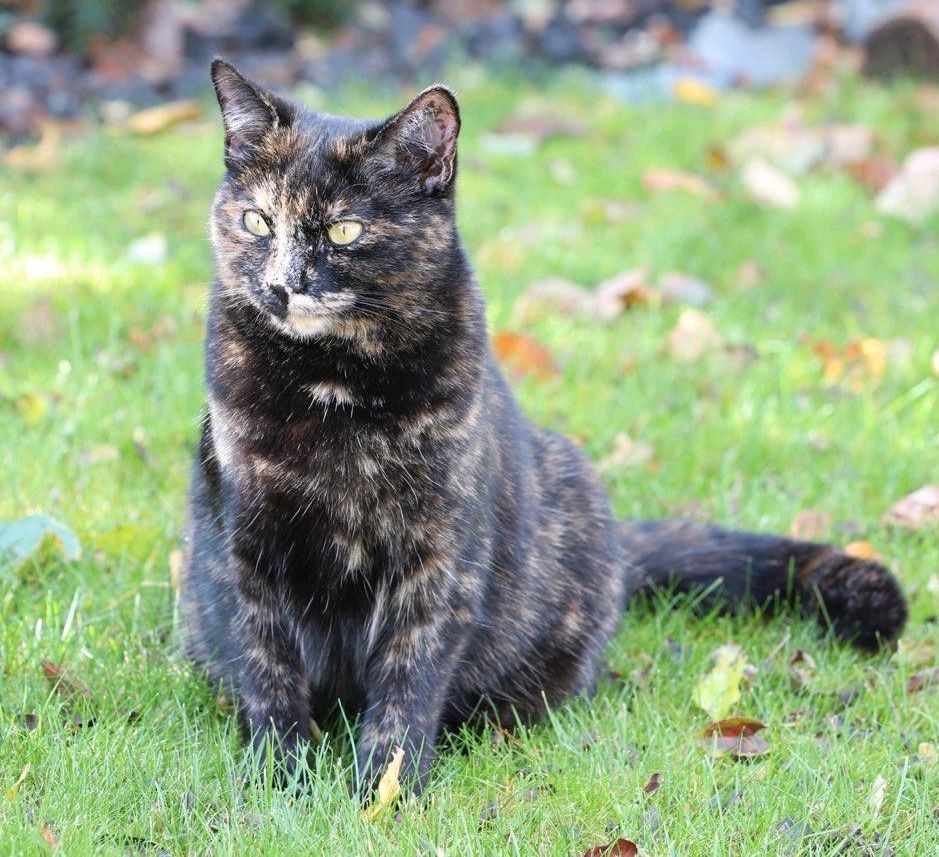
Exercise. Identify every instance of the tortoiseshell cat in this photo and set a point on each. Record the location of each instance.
(372, 519)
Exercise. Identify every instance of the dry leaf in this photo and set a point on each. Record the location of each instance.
(685, 289)
(750, 275)
(664, 180)
(620, 848)
(11, 792)
(913, 194)
(153, 120)
(690, 90)
(874, 173)
(40, 157)
(540, 126)
(63, 683)
(862, 551)
(768, 185)
(389, 786)
(916, 653)
(627, 453)
(878, 792)
(809, 525)
(928, 753)
(693, 336)
(916, 510)
(717, 692)
(554, 296)
(857, 365)
(735, 736)
(624, 291)
(49, 837)
(524, 355)
(922, 680)
(654, 783)
(176, 568)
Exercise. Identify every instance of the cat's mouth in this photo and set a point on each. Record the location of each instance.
(307, 315)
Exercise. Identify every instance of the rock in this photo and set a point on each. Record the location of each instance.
(913, 195)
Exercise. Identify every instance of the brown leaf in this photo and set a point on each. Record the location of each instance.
(916, 653)
(666, 180)
(862, 550)
(874, 173)
(49, 837)
(768, 185)
(810, 524)
(40, 157)
(915, 511)
(801, 668)
(655, 782)
(627, 453)
(153, 120)
(620, 848)
(922, 680)
(735, 736)
(553, 296)
(693, 336)
(63, 682)
(624, 291)
(524, 355)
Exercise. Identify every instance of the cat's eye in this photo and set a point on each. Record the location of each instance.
(255, 223)
(344, 231)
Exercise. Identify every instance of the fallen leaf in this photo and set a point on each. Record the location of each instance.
(389, 787)
(553, 297)
(524, 355)
(624, 291)
(810, 524)
(801, 668)
(33, 408)
(176, 568)
(685, 289)
(690, 90)
(620, 848)
(735, 736)
(33, 538)
(750, 275)
(11, 792)
(153, 120)
(539, 127)
(627, 453)
(874, 173)
(665, 180)
(41, 156)
(916, 510)
(654, 783)
(862, 551)
(915, 653)
(913, 194)
(49, 837)
(878, 792)
(857, 365)
(693, 336)
(922, 680)
(927, 752)
(717, 692)
(768, 185)
(63, 683)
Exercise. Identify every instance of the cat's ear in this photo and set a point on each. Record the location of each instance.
(420, 141)
(248, 111)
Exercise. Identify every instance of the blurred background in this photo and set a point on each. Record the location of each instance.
(75, 60)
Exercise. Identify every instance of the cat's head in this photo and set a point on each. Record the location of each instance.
(334, 226)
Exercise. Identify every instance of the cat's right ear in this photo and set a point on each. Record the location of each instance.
(248, 112)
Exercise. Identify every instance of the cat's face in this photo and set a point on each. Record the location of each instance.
(332, 226)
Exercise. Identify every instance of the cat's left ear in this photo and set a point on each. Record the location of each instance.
(421, 140)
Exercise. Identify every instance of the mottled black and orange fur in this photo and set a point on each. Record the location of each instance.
(373, 521)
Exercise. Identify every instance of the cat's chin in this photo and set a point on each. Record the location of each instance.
(302, 326)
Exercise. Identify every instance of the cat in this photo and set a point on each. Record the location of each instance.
(372, 520)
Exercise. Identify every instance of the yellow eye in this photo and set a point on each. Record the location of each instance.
(344, 231)
(255, 223)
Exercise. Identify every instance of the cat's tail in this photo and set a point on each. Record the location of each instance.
(859, 599)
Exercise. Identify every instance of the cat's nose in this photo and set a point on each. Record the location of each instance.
(283, 292)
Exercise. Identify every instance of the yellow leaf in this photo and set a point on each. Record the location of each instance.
(692, 91)
(11, 792)
(153, 120)
(717, 692)
(928, 753)
(389, 786)
(862, 550)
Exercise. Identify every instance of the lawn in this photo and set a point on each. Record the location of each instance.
(101, 393)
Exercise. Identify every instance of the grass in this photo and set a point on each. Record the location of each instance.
(100, 394)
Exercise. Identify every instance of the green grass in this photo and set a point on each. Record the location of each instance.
(100, 395)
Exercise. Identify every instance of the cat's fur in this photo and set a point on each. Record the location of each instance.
(372, 518)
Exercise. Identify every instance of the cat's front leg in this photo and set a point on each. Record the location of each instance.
(273, 685)
(409, 679)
